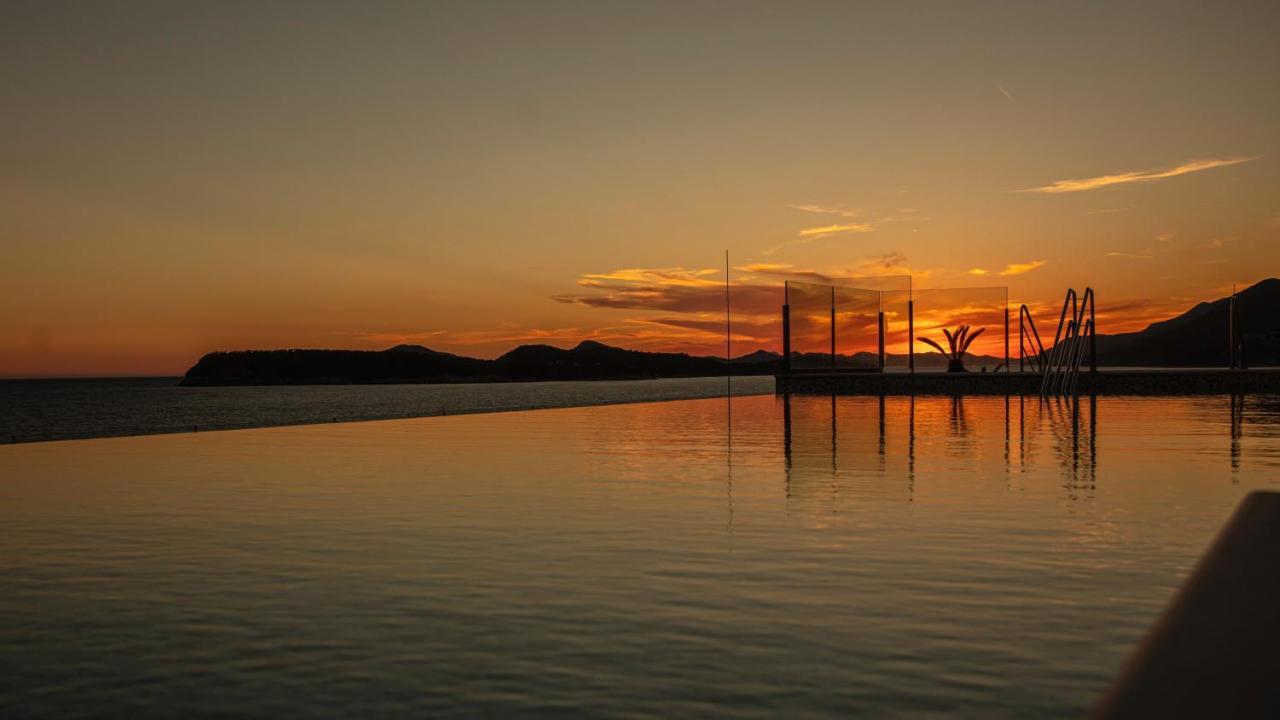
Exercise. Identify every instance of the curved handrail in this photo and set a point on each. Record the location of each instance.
(1087, 299)
(1057, 351)
(1026, 322)
(1062, 375)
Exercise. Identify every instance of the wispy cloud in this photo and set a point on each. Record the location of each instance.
(1020, 268)
(1140, 176)
(1104, 211)
(824, 230)
(1131, 255)
(1010, 269)
(676, 276)
(824, 210)
(810, 234)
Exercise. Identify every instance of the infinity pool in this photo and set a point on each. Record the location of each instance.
(819, 557)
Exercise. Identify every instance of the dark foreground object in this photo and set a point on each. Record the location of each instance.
(1213, 652)
(1207, 381)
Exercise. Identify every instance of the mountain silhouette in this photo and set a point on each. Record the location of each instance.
(589, 360)
(1199, 337)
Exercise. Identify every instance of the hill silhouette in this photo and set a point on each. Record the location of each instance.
(589, 360)
(1198, 337)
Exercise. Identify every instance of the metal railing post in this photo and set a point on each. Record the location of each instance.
(911, 336)
(1093, 333)
(1006, 335)
(1021, 353)
(1231, 332)
(833, 326)
(786, 337)
(881, 340)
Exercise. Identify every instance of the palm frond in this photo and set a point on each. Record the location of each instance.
(933, 344)
(969, 340)
(951, 339)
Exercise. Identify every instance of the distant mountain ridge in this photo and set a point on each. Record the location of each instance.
(589, 360)
(1198, 337)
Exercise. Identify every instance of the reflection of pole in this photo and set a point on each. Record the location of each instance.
(833, 436)
(1007, 468)
(881, 340)
(911, 445)
(1237, 422)
(1093, 438)
(911, 335)
(881, 447)
(786, 430)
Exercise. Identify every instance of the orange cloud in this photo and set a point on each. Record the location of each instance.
(825, 230)
(1093, 183)
(1020, 268)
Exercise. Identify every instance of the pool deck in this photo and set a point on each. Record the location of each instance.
(1212, 652)
(1118, 381)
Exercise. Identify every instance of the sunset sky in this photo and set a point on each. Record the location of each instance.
(472, 176)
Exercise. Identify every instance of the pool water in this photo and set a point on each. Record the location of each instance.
(818, 557)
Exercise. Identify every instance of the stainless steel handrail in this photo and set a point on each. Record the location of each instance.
(1062, 373)
(1025, 324)
(1057, 350)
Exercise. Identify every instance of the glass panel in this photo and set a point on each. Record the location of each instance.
(975, 320)
(811, 306)
(857, 328)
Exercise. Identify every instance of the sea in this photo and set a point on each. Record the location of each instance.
(771, 556)
(67, 409)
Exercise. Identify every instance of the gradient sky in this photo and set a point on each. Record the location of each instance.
(177, 178)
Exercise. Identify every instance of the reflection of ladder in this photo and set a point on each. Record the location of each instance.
(1075, 333)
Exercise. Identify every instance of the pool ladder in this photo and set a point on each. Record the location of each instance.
(1075, 334)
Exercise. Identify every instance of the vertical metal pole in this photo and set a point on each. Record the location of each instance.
(1231, 330)
(786, 337)
(1006, 333)
(911, 336)
(786, 327)
(1093, 333)
(881, 340)
(1021, 352)
(728, 341)
(833, 326)
(1241, 361)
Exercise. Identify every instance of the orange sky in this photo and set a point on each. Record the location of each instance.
(474, 176)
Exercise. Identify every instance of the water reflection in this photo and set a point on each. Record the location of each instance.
(829, 440)
(1237, 430)
(925, 551)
